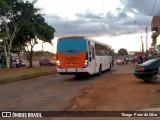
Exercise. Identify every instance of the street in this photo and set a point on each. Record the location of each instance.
(117, 90)
(51, 92)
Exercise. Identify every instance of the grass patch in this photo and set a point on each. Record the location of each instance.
(28, 73)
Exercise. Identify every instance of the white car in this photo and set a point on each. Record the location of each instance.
(22, 63)
(120, 60)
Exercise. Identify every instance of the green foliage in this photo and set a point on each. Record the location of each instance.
(2, 34)
(13, 15)
(21, 25)
(17, 13)
(122, 52)
(34, 28)
(41, 53)
(4, 7)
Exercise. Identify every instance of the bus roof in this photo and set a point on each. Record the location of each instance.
(99, 42)
(87, 38)
(72, 37)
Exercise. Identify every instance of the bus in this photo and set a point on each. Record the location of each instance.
(77, 55)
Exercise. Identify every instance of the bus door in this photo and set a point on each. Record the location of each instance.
(92, 60)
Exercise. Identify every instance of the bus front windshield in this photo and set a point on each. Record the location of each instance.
(71, 45)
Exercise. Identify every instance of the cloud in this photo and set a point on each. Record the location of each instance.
(117, 22)
(145, 7)
(89, 16)
(83, 25)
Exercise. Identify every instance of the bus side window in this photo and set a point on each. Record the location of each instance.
(93, 54)
(90, 59)
(89, 48)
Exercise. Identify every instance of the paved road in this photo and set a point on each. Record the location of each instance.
(47, 93)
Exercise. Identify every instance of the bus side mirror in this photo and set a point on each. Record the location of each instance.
(90, 59)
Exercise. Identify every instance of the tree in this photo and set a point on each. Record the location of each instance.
(122, 52)
(13, 15)
(34, 29)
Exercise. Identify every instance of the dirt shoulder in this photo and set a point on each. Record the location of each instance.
(120, 91)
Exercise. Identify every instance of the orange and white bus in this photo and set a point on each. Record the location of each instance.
(77, 55)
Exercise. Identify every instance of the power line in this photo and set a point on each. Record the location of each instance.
(151, 12)
(153, 6)
(158, 12)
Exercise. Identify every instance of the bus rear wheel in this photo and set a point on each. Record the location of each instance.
(110, 67)
(78, 75)
(100, 70)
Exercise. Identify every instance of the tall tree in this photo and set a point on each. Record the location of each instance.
(34, 29)
(13, 15)
(122, 52)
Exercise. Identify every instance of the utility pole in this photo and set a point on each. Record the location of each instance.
(42, 45)
(142, 44)
(146, 30)
(52, 46)
(146, 38)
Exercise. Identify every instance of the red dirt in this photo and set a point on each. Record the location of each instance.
(120, 91)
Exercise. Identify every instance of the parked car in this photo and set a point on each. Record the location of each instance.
(46, 62)
(120, 60)
(148, 70)
(22, 63)
(158, 76)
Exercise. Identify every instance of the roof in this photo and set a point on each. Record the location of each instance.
(88, 38)
(72, 37)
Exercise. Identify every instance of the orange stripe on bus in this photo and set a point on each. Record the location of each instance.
(72, 61)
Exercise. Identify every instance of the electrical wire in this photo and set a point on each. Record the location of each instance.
(151, 13)
(153, 6)
(158, 12)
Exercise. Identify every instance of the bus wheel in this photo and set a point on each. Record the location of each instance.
(78, 75)
(100, 70)
(110, 67)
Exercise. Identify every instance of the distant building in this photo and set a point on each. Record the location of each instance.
(139, 54)
(132, 52)
(155, 27)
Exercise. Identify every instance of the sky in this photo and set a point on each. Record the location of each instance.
(119, 23)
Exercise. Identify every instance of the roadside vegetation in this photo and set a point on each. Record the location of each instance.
(21, 26)
(24, 73)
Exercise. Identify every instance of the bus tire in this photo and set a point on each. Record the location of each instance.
(78, 75)
(110, 67)
(100, 70)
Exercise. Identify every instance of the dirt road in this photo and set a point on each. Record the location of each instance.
(120, 91)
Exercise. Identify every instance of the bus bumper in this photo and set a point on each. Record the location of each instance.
(72, 71)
